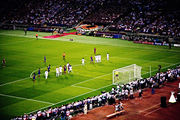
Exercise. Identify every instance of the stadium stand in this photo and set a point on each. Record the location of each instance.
(137, 16)
(148, 17)
(131, 16)
(54, 12)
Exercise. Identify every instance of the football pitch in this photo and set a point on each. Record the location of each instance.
(25, 55)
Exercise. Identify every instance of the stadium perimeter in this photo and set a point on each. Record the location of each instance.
(147, 108)
(49, 103)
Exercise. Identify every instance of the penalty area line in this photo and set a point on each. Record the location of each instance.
(92, 79)
(70, 98)
(45, 68)
(11, 96)
(162, 68)
(25, 78)
(82, 87)
(13, 81)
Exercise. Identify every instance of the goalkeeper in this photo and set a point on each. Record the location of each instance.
(116, 75)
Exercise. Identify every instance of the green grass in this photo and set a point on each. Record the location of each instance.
(24, 54)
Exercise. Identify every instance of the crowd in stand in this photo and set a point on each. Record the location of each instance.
(120, 92)
(107, 14)
(149, 16)
(39, 12)
(146, 16)
(55, 12)
(141, 13)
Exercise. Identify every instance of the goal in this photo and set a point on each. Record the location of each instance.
(126, 74)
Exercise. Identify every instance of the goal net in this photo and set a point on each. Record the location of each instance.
(127, 74)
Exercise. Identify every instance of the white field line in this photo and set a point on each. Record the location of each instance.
(11, 96)
(145, 60)
(163, 67)
(25, 78)
(152, 111)
(149, 108)
(159, 49)
(79, 82)
(46, 67)
(82, 87)
(171, 65)
(86, 93)
(158, 62)
(17, 42)
(71, 98)
(7, 34)
(13, 81)
(92, 79)
(18, 35)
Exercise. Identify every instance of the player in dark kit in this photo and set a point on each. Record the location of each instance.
(140, 93)
(64, 69)
(169, 45)
(34, 77)
(170, 39)
(91, 59)
(49, 67)
(95, 51)
(39, 72)
(44, 59)
(25, 31)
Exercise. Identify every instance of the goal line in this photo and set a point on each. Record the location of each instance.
(126, 74)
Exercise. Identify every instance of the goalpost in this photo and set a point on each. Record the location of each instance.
(126, 74)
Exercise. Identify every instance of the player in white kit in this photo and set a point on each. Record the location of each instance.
(57, 72)
(70, 68)
(83, 61)
(46, 74)
(107, 56)
(60, 70)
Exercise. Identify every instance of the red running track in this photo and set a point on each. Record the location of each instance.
(56, 36)
(147, 108)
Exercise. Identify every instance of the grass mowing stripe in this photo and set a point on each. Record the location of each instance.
(13, 81)
(125, 58)
(93, 43)
(25, 78)
(46, 68)
(82, 87)
(71, 98)
(92, 78)
(79, 82)
(17, 42)
(163, 68)
(30, 54)
(73, 84)
(95, 90)
(26, 99)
